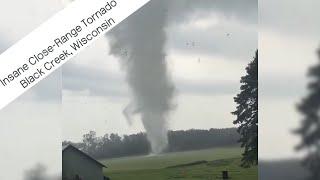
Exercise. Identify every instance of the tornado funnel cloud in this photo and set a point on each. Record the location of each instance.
(139, 42)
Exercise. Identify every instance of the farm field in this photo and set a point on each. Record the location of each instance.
(189, 165)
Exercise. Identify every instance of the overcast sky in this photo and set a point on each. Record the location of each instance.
(90, 92)
(94, 91)
(289, 34)
(30, 127)
(206, 75)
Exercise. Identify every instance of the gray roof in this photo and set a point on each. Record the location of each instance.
(81, 152)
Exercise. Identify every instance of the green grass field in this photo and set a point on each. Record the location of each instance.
(190, 165)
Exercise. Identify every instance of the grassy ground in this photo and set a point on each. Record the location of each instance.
(190, 165)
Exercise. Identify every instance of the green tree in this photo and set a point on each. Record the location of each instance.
(247, 113)
(310, 126)
(90, 142)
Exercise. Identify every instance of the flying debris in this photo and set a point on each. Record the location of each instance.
(125, 53)
(191, 44)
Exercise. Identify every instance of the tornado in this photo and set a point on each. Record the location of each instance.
(139, 42)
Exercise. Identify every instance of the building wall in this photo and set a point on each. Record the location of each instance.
(73, 162)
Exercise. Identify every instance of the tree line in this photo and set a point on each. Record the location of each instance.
(114, 145)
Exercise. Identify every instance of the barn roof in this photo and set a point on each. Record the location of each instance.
(84, 154)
